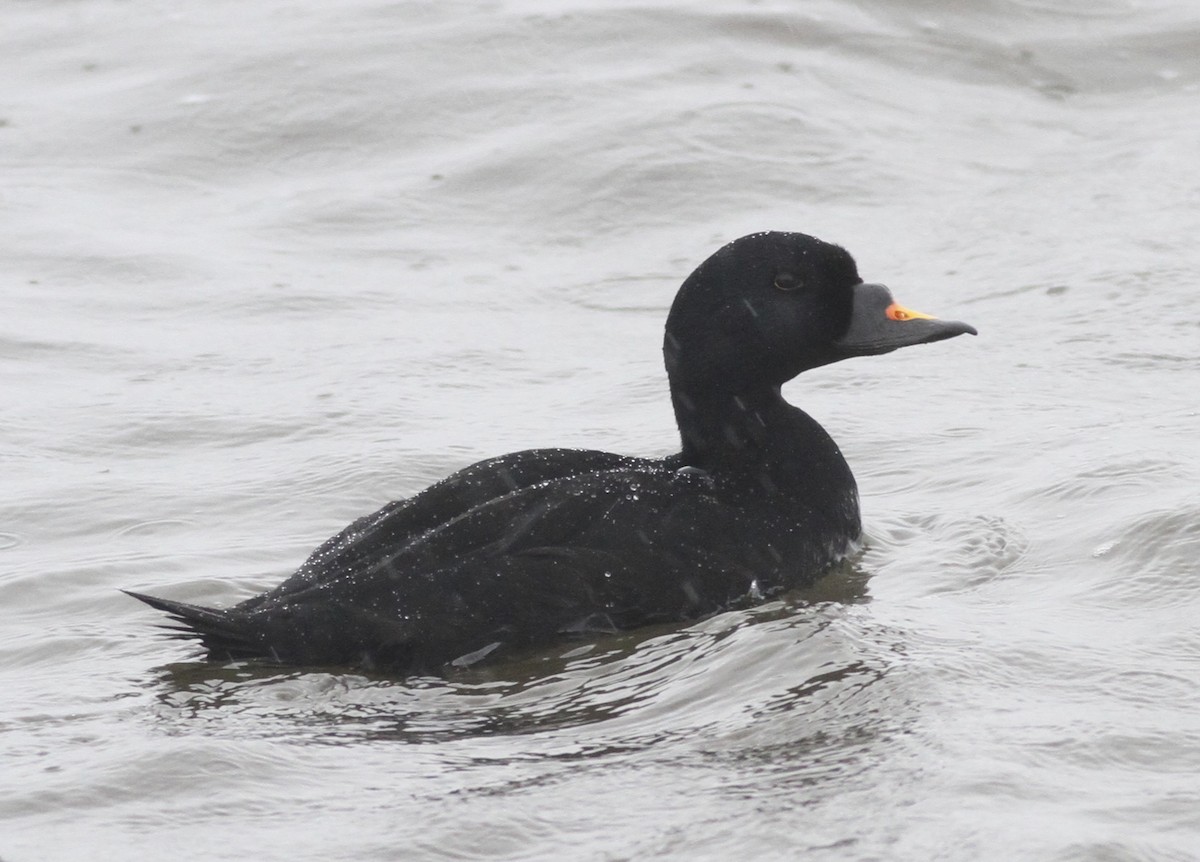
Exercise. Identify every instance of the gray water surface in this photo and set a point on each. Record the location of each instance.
(268, 266)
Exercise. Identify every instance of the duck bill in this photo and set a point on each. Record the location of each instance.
(879, 324)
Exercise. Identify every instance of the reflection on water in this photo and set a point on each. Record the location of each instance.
(584, 682)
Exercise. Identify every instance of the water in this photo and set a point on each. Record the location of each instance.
(270, 265)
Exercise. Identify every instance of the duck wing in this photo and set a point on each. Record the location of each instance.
(380, 534)
(604, 551)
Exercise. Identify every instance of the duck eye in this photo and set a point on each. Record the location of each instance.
(786, 281)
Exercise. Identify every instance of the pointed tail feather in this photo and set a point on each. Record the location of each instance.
(218, 630)
(315, 634)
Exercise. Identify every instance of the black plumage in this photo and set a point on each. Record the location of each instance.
(530, 547)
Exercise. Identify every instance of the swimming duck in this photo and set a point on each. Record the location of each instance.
(528, 548)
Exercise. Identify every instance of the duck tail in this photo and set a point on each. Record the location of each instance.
(218, 630)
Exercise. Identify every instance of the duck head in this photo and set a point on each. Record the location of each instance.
(768, 306)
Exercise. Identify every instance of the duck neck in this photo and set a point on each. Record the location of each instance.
(717, 426)
(754, 433)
